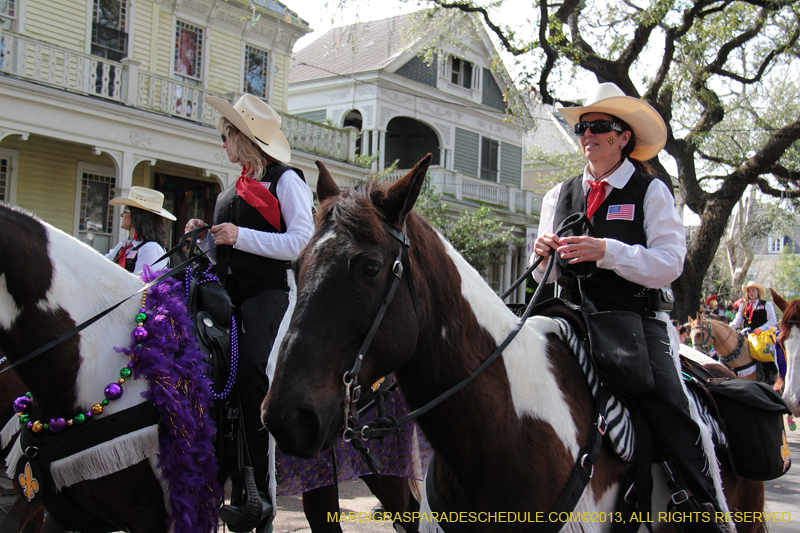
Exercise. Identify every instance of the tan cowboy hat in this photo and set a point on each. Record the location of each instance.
(647, 125)
(146, 199)
(753, 285)
(259, 122)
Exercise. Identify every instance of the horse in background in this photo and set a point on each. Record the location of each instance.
(506, 442)
(731, 347)
(790, 338)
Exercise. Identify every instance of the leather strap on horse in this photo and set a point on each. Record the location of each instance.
(80, 327)
(582, 473)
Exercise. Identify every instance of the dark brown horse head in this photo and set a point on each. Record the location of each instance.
(342, 278)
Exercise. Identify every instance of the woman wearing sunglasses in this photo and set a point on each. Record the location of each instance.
(261, 223)
(144, 217)
(634, 243)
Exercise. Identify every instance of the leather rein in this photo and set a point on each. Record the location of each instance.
(732, 356)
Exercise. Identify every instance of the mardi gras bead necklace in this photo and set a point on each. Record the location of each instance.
(113, 391)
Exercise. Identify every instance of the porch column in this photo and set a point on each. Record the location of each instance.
(507, 273)
(381, 150)
(374, 149)
(522, 261)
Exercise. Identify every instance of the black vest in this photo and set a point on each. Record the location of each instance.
(614, 219)
(250, 271)
(759, 317)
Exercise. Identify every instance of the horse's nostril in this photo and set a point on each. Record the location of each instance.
(304, 427)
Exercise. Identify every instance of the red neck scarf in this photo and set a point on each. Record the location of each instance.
(122, 254)
(751, 305)
(258, 196)
(597, 195)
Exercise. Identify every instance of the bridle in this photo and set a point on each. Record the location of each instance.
(731, 357)
(710, 337)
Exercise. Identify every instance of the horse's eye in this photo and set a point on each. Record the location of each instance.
(371, 270)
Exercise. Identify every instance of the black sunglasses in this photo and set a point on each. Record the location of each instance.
(597, 126)
(224, 138)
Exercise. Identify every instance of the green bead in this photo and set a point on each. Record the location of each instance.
(45, 426)
(105, 402)
(125, 373)
(25, 418)
(28, 394)
(138, 345)
(141, 317)
(80, 418)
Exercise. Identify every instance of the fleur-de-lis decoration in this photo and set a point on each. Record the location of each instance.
(28, 483)
(785, 453)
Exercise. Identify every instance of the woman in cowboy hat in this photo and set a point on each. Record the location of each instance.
(143, 217)
(755, 313)
(260, 224)
(633, 245)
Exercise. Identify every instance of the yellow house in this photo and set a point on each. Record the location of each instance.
(97, 96)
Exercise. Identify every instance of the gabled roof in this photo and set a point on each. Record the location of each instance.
(362, 47)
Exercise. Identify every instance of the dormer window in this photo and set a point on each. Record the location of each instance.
(776, 244)
(460, 72)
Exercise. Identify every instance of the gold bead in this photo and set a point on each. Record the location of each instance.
(121, 381)
(70, 422)
(97, 409)
(37, 427)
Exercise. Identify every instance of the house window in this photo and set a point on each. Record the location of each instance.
(8, 170)
(8, 13)
(109, 38)
(489, 158)
(188, 52)
(776, 244)
(95, 217)
(255, 74)
(460, 72)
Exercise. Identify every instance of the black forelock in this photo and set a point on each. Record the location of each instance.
(24, 259)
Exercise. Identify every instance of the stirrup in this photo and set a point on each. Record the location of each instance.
(252, 512)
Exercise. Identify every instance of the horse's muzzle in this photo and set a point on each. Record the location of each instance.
(297, 431)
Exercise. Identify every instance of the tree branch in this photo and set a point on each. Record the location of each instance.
(469, 7)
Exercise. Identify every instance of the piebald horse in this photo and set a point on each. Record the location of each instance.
(49, 282)
(790, 338)
(732, 348)
(506, 442)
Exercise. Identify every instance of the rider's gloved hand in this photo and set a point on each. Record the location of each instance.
(746, 331)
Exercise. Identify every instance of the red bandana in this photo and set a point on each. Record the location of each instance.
(122, 254)
(596, 197)
(258, 196)
(748, 312)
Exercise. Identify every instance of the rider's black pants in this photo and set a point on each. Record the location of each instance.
(666, 410)
(260, 318)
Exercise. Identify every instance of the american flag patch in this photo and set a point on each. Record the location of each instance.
(620, 212)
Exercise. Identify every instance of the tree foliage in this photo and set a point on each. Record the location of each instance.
(722, 73)
(476, 234)
(787, 274)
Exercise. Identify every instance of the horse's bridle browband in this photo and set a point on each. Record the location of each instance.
(85, 324)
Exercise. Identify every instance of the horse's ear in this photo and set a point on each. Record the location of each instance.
(326, 187)
(402, 196)
(779, 301)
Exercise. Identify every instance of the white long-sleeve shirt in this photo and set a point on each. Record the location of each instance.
(654, 266)
(772, 318)
(295, 202)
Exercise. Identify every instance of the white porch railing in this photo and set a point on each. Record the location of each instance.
(457, 185)
(52, 65)
(124, 82)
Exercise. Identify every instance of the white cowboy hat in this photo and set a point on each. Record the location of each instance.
(259, 122)
(753, 285)
(146, 199)
(648, 127)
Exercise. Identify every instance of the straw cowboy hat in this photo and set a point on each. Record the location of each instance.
(753, 285)
(648, 127)
(259, 122)
(146, 199)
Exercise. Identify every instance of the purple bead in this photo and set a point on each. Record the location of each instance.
(142, 310)
(30, 425)
(22, 404)
(113, 391)
(57, 425)
(139, 334)
(88, 414)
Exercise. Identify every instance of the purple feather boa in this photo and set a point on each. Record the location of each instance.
(169, 358)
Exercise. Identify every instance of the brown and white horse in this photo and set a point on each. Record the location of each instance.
(506, 442)
(790, 338)
(732, 348)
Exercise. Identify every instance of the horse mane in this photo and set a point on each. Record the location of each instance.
(354, 210)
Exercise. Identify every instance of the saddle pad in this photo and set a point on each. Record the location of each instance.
(620, 426)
